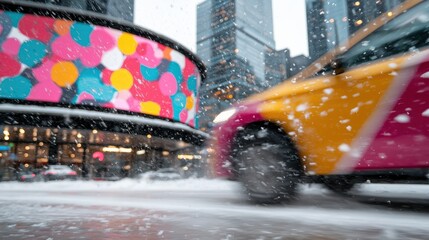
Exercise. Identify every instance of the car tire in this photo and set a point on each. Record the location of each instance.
(338, 184)
(267, 165)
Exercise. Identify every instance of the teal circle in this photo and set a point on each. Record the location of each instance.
(90, 82)
(15, 17)
(32, 52)
(150, 74)
(179, 103)
(192, 84)
(80, 33)
(15, 88)
(174, 69)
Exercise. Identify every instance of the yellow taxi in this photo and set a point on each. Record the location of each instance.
(359, 112)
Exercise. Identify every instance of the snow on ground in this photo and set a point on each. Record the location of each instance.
(126, 184)
(221, 199)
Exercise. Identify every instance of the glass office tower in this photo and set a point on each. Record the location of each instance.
(235, 41)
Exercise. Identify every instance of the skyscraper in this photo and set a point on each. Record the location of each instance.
(123, 9)
(331, 22)
(235, 41)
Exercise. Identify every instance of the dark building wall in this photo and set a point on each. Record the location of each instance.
(122, 9)
(232, 40)
(331, 22)
(316, 29)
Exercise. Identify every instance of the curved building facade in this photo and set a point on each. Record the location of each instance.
(74, 86)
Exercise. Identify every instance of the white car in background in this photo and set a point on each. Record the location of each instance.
(59, 172)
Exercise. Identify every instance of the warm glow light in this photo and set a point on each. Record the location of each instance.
(116, 149)
(141, 152)
(331, 20)
(79, 145)
(72, 155)
(27, 147)
(6, 132)
(390, 14)
(6, 137)
(149, 136)
(26, 165)
(165, 153)
(21, 131)
(40, 143)
(26, 155)
(95, 131)
(357, 3)
(188, 156)
(79, 135)
(358, 22)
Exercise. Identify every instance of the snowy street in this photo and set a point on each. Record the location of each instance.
(204, 209)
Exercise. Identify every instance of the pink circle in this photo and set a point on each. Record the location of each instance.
(66, 48)
(11, 46)
(43, 72)
(101, 39)
(183, 116)
(168, 84)
(91, 56)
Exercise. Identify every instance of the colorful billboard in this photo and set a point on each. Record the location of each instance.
(45, 59)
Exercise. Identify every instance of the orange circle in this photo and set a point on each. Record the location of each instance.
(64, 74)
(62, 26)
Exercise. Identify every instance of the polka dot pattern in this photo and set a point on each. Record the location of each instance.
(104, 67)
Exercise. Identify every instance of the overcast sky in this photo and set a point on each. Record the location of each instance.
(176, 19)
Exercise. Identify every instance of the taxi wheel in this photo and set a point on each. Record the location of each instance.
(267, 165)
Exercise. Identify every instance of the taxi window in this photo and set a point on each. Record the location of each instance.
(408, 32)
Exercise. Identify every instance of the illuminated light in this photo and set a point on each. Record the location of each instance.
(72, 155)
(357, 3)
(390, 14)
(42, 160)
(40, 143)
(116, 149)
(141, 152)
(1, 154)
(6, 137)
(185, 156)
(127, 167)
(6, 132)
(22, 131)
(79, 145)
(26, 165)
(34, 139)
(358, 22)
(185, 168)
(79, 135)
(236, 50)
(165, 153)
(27, 147)
(125, 150)
(95, 131)
(224, 116)
(331, 20)
(26, 155)
(149, 136)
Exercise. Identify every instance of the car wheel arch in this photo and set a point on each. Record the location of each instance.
(271, 127)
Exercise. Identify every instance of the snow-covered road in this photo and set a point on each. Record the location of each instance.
(203, 209)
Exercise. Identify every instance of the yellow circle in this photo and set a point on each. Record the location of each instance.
(121, 79)
(64, 74)
(150, 107)
(127, 44)
(189, 102)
